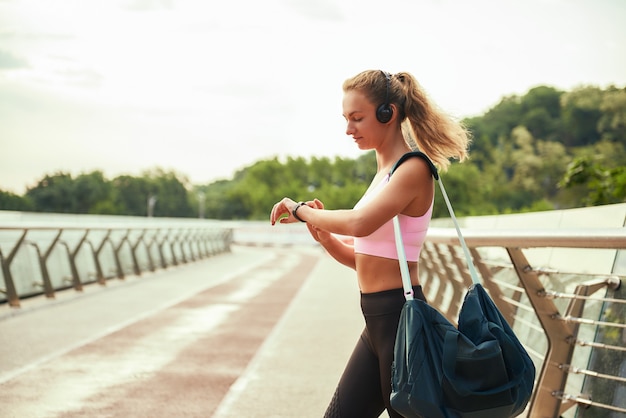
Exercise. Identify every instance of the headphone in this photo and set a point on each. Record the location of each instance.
(384, 111)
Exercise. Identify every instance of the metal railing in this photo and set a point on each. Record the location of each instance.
(572, 323)
(43, 260)
(571, 317)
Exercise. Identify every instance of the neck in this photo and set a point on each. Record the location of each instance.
(389, 154)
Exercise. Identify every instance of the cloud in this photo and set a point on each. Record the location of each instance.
(147, 5)
(80, 77)
(317, 10)
(35, 36)
(11, 61)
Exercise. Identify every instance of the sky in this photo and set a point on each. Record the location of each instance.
(206, 88)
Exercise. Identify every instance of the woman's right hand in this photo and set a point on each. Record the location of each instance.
(318, 235)
(338, 248)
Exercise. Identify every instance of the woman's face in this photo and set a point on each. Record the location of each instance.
(362, 125)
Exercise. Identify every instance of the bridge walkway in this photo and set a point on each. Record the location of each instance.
(256, 332)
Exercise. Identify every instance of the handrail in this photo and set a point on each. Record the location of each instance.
(596, 304)
(608, 238)
(95, 253)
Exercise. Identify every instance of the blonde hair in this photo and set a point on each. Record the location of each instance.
(424, 125)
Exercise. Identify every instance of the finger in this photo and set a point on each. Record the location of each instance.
(275, 214)
(272, 215)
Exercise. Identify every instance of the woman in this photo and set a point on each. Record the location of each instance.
(384, 113)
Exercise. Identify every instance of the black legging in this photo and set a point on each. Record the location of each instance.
(364, 388)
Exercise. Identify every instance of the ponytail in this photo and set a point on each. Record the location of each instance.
(424, 126)
(428, 128)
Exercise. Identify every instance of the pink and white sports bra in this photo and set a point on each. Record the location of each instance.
(382, 242)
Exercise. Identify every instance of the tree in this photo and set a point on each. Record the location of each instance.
(131, 195)
(519, 162)
(91, 191)
(54, 193)
(603, 185)
(171, 193)
(11, 201)
(216, 204)
(541, 112)
(612, 123)
(581, 115)
(468, 189)
(539, 165)
(502, 118)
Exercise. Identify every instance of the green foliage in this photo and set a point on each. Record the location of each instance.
(339, 183)
(11, 201)
(131, 195)
(55, 193)
(541, 112)
(603, 185)
(581, 115)
(168, 190)
(468, 190)
(523, 147)
(93, 193)
(545, 150)
(612, 123)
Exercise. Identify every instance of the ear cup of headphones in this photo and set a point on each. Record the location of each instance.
(384, 113)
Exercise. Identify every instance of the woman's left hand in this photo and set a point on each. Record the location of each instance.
(284, 207)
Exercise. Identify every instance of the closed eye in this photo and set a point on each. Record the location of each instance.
(353, 116)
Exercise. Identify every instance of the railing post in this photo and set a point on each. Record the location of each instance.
(576, 306)
(12, 297)
(96, 257)
(118, 263)
(553, 377)
(133, 253)
(48, 289)
(172, 242)
(151, 242)
(43, 264)
(160, 243)
(187, 241)
(457, 283)
(431, 252)
(494, 290)
(76, 282)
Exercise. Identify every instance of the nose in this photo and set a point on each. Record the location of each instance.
(350, 128)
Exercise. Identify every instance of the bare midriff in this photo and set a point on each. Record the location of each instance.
(376, 274)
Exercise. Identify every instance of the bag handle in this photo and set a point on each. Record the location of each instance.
(404, 268)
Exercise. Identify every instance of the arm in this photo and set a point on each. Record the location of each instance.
(410, 191)
(338, 249)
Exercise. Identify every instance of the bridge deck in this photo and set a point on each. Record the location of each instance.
(255, 332)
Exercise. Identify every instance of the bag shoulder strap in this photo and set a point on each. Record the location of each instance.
(404, 269)
(418, 154)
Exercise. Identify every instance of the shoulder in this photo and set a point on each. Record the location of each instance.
(413, 181)
(416, 163)
(412, 177)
